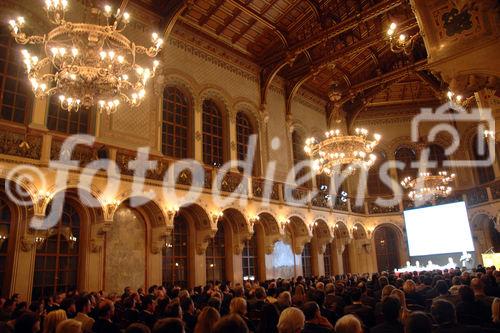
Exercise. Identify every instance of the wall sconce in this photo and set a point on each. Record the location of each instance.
(402, 43)
(488, 134)
(168, 245)
(43, 196)
(253, 219)
(3, 238)
(39, 241)
(172, 211)
(212, 265)
(284, 223)
(72, 241)
(217, 215)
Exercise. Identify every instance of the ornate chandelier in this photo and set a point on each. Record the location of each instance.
(402, 43)
(87, 64)
(426, 187)
(338, 150)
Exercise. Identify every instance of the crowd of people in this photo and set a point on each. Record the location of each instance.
(454, 300)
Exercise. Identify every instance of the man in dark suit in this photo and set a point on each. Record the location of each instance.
(364, 312)
(391, 309)
(147, 316)
(104, 324)
(315, 322)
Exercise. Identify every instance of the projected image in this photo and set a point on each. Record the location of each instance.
(438, 230)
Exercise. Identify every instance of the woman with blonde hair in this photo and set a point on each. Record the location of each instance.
(206, 320)
(292, 320)
(495, 312)
(69, 326)
(399, 294)
(52, 319)
(238, 306)
(299, 296)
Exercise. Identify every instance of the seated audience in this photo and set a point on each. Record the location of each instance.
(391, 310)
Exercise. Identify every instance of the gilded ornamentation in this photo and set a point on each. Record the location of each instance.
(12, 143)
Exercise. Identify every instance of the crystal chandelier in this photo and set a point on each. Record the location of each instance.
(427, 186)
(87, 64)
(402, 43)
(338, 150)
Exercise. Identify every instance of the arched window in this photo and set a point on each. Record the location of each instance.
(56, 261)
(244, 129)
(406, 155)
(15, 93)
(436, 154)
(299, 156)
(213, 142)
(373, 182)
(176, 124)
(67, 122)
(327, 259)
(215, 255)
(175, 254)
(386, 247)
(306, 260)
(5, 219)
(249, 257)
(481, 152)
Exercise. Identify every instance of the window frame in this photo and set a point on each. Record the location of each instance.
(187, 113)
(213, 134)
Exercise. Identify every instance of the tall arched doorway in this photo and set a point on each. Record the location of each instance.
(175, 254)
(215, 255)
(387, 248)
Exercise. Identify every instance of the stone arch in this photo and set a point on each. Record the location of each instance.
(219, 96)
(239, 226)
(186, 83)
(247, 106)
(359, 231)
(271, 230)
(401, 142)
(340, 230)
(322, 234)
(300, 233)
(484, 231)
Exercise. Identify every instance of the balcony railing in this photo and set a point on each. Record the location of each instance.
(13, 142)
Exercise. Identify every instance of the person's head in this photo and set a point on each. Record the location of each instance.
(355, 294)
(238, 306)
(214, 302)
(348, 324)
(148, 303)
(391, 308)
(206, 320)
(52, 319)
(106, 309)
(83, 305)
(400, 295)
(418, 322)
(285, 299)
(443, 312)
(137, 328)
(387, 290)
(495, 310)
(173, 310)
(299, 290)
(28, 322)
(231, 323)
(311, 311)
(169, 325)
(477, 286)
(291, 321)
(187, 305)
(409, 287)
(442, 287)
(383, 281)
(466, 294)
(69, 326)
(260, 293)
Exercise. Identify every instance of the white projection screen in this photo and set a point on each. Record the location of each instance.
(438, 230)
